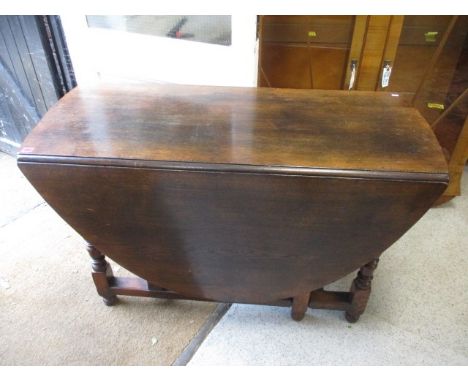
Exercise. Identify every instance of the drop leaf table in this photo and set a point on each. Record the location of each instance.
(245, 195)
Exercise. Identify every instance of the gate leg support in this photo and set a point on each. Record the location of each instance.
(102, 271)
(360, 291)
(300, 303)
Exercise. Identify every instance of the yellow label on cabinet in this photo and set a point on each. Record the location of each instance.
(312, 34)
(433, 105)
(431, 36)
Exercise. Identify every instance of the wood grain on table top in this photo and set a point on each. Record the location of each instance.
(367, 131)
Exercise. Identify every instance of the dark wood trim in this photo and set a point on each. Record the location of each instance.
(360, 291)
(102, 274)
(234, 168)
(353, 303)
(135, 286)
(322, 299)
(299, 306)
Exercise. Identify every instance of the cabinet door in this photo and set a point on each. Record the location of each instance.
(446, 86)
(442, 79)
(304, 52)
(420, 36)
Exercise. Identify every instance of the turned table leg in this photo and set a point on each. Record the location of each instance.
(360, 291)
(300, 304)
(101, 273)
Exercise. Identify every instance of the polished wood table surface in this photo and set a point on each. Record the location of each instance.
(235, 194)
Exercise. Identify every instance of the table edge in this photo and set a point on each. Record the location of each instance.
(433, 177)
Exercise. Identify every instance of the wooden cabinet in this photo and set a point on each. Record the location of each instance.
(305, 52)
(421, 59)
(320, 52)
(419, 39)
(324, 52)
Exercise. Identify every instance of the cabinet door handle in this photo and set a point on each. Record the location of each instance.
(431, 36)
(386, 73)
(352, 77)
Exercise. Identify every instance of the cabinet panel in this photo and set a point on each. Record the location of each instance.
(285, 66)
(328, 67)
(435, 92)
(420, 37)
(423, 30)
(304, 52)
(303, 67)
(318, 31)
(307, 19)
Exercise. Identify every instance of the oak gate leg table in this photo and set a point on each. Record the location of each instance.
(243, 195)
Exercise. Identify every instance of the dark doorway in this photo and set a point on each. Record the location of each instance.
(35, 71)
